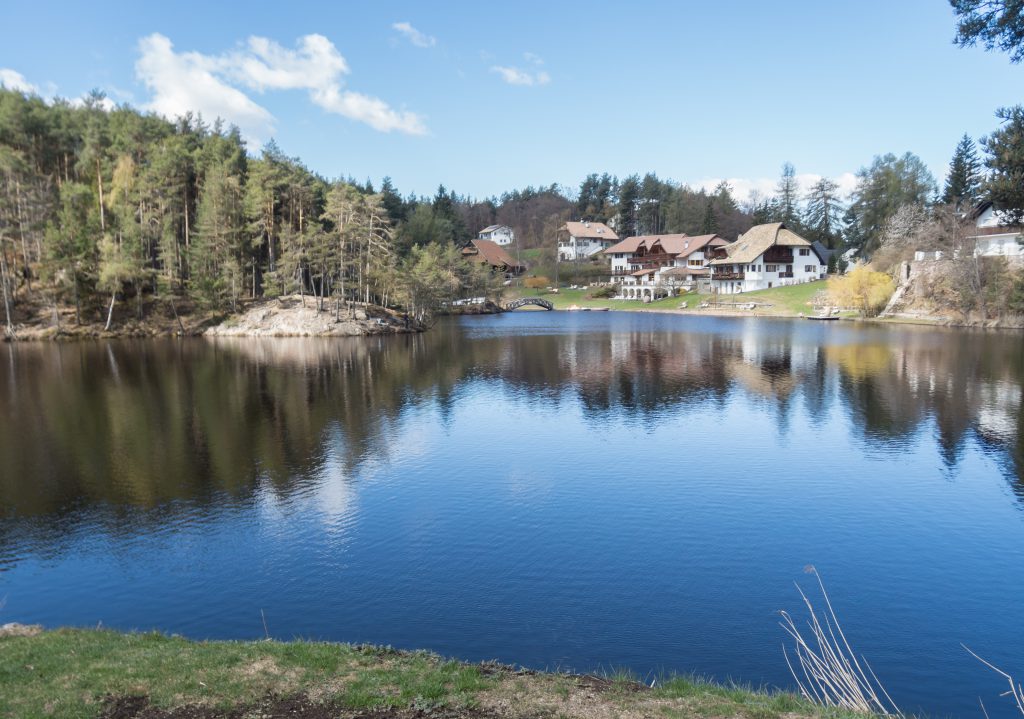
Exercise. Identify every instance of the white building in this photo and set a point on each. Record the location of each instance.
(765, 256)
(581, 240)
(498, 234)
(651, 266)
(994, 237)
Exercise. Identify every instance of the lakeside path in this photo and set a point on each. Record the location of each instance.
(100, 673)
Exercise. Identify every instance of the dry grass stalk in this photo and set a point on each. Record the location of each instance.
(1016, 689)
(826, 670)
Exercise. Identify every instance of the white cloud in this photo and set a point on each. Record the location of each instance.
(533, 58)
(744, 187)
(14, 80)
(206, 83)
(518, 76)
(189, 82)
(414, 36)
(374, 112)
(266, 65)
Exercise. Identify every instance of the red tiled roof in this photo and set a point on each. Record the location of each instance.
(681, 245)
(627, 245)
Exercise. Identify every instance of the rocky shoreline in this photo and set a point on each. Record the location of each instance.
(290, 316)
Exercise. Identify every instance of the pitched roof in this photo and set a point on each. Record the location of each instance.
(595, 230)
(491, 253)
(681, 244)
(630, 244)
(685, 271)
(753, 243)
(492, 228)
(823, 253)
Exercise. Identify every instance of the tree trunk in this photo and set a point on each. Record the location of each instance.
(78, 300)
(21, 231)
(174, 309)
(110, 312)
(7, 299)
(99, 183)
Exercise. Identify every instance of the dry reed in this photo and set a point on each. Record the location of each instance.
(826, 670)
(1016, 689)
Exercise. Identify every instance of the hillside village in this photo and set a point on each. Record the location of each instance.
(770, 255)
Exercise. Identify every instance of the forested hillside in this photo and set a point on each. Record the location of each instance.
(112, 212)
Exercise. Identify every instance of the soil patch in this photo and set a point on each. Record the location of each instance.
(275, 707)
(20, 630)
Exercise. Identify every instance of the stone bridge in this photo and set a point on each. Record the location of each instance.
(524, 301)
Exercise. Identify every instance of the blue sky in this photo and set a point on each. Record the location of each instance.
(486, 97)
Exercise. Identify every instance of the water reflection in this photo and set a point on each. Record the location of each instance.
(148, 424)
(573, 489)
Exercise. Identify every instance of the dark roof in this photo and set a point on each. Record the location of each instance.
(490, 252)
(824, 254)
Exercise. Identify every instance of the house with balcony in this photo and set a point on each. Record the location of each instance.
(765, 256)
(583, 240)
(652, 266)
(993, 236)
(498, 234)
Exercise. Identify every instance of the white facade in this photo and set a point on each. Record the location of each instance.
(498, 234)
(761, 275)
(580, 248)
(653, 266)
(995, 240)
(582, 240)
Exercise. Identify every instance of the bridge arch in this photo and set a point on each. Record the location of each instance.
(524, 301)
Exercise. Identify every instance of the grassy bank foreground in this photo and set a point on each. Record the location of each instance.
(100, 673)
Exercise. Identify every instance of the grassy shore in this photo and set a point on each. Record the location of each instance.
(788, 301)
(92, 673)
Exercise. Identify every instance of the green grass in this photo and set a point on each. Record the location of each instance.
(565, 298)
(68, 673)
(785, 301)
(792, 299)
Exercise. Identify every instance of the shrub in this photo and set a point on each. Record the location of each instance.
(602, 293)
(862, 289)
(536, 283)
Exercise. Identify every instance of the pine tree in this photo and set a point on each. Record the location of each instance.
(823, 215)
(964, 179)
(788, 196)
(629, 197)
(1005, 149)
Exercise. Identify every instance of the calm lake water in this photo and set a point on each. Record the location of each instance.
(575, 490)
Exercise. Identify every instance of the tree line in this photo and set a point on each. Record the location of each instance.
(102, 209)
(105, 208)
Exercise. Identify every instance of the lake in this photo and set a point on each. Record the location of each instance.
(582, 491)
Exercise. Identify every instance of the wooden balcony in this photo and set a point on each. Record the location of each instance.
(785, 274)
(778, 256)
(646, 262)
(729, 275)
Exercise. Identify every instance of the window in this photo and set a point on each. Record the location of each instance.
(695, 263)
(804, 252)
(810, 268)
(771, 268)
